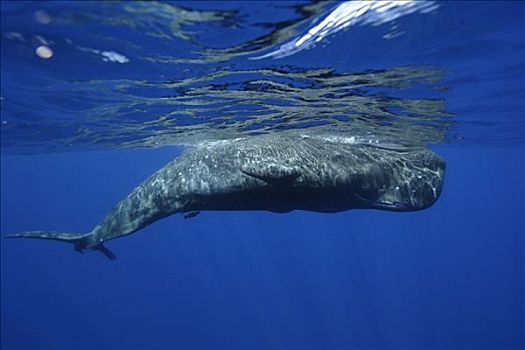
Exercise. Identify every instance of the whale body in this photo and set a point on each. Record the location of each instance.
(273, 173)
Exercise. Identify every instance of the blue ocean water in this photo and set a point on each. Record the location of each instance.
(96, 96)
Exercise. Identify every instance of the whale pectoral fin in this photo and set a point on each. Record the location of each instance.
(191, 214)
(272, 174)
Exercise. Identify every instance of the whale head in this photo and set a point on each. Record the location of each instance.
(412, 181)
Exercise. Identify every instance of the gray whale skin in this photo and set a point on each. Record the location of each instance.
(274, 173)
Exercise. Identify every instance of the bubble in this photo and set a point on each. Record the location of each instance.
(44, 52)
(42, 17)
(112, 56)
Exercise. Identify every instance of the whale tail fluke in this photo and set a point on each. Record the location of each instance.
(80, 241)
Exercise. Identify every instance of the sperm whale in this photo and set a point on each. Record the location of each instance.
(275, 173)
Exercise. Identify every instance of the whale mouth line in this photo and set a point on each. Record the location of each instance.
(383, 204)
(392, 205)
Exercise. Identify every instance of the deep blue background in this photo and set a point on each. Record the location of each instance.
(451, 276)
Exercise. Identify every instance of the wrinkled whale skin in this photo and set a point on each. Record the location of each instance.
(273, 173)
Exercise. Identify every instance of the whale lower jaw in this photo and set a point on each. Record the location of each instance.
(284, 200)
